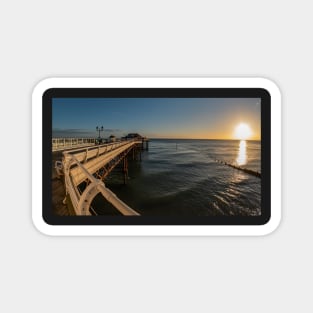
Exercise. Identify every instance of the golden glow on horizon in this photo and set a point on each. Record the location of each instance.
(234, 130)
(243, 131)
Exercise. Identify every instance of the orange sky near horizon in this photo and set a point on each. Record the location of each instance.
(228, 133)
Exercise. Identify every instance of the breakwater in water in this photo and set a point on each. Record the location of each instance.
(246, 170)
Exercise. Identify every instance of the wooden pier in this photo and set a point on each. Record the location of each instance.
(88, 166)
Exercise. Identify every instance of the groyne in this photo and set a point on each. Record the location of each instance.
(239, 168)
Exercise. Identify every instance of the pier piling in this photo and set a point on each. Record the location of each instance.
(125, 169)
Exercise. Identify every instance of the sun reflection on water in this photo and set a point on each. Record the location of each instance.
(242, 153)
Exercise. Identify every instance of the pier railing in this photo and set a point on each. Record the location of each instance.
(79, 165)
(68, 143)
(82, 202)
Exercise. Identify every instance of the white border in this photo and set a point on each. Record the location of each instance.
(135, 230)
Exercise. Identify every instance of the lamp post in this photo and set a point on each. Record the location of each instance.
(99, 129)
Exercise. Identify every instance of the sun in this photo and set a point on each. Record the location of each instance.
(242, 131)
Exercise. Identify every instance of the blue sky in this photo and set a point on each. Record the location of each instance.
(155, 117)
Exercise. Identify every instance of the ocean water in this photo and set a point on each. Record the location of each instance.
(182, 177)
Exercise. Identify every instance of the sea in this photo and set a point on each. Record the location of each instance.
(187, 177)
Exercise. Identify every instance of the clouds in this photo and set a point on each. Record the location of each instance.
(59, 132)
(84, 133)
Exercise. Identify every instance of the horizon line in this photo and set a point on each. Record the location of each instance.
(205, 139)
(167, 138)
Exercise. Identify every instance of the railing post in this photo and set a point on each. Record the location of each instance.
(86, 156)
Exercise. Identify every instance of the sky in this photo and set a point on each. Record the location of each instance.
(189, 118)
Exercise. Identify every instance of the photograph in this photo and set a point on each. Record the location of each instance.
(186, 157)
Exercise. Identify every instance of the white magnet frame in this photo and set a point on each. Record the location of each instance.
(156, 230)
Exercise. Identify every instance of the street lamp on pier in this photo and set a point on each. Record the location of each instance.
(99, 129)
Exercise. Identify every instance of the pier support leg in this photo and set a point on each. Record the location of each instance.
(125, 169)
